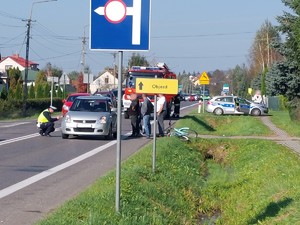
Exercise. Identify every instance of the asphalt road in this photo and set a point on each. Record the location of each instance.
(37, 174)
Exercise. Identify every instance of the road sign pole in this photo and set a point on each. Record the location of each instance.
(154, 135)
(119, 122)
(203, 98)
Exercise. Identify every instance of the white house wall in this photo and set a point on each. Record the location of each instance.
(10, 62)
(100, 85)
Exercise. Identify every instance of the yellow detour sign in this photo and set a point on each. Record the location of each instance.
(204, 79)
(156, 86)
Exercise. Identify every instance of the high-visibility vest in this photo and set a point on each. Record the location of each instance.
(42, 118)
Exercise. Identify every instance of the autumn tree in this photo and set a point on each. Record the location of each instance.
(262, 54)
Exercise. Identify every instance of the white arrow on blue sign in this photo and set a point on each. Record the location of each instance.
(120, 25)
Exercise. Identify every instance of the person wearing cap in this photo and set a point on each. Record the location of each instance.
(46, 122)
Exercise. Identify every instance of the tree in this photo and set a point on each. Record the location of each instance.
(4, 93)
(286, 74)
(79, 85)
(18, 91)
(137, 60)
(31, 93)
(239, 81)
(40, 78)
(262, 53)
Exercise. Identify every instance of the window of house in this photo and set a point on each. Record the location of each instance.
(7, 67)
(106, 80)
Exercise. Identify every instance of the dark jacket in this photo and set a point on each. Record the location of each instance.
(134, 108)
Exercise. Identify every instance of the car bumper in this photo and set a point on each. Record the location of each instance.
(85, 129)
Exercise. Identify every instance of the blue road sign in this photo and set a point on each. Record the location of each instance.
(122, 25)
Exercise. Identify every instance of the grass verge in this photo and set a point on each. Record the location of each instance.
(167, 197)
(227, 125)
(249, 182)
(283, 121)
(207, 181)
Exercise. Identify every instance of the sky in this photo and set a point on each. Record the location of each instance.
(190, 36)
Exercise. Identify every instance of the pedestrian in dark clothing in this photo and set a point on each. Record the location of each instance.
(45, 122)
(176, 101)
(135, 114)
(146, 111)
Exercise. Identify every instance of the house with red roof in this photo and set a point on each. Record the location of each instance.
(15, 61)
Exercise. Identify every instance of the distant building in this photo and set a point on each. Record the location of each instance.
(105, 81)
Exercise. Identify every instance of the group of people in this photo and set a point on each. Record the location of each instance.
(137, 113)
(143, 112)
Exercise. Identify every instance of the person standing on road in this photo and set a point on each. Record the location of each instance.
(134, 113)
(176, 101)
(45, 122)
(161, 113)
(146, 111)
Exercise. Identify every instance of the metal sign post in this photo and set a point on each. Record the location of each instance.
(119, 129)
(126, 25)
(156, 86)
(204, 79)
(154, 135)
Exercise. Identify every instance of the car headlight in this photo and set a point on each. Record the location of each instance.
(68, 119)
(103, 119)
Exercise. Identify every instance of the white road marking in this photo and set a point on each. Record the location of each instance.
(14, 124)
(18, 186)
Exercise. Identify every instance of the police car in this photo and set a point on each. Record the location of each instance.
(220, 105)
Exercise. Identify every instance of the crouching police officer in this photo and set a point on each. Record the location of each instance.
(45, 122)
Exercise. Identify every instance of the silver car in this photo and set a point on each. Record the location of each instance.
(234, 105)
(90, 115)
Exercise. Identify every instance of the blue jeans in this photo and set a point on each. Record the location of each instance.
(147, 125)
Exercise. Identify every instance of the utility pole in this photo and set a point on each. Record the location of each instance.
(83, 52)
(114, 55)
(25, 89)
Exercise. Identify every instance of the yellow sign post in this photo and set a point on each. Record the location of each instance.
(156, 86)
(204, 79)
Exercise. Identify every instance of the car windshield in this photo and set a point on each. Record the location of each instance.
(89, 105)
(72, 98)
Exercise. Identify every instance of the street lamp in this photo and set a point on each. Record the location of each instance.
(25, 91)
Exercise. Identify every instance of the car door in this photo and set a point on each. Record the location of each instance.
(244, 106)
(227, 104)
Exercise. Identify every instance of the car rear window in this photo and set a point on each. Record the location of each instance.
(88, 105)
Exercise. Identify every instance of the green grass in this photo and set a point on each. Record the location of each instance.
(227, 125)
(250, 182)
(282, 120)
(208, 181)
(167, 197)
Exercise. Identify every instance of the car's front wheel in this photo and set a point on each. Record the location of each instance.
(110, 134)
(64, 136)
(218, 111)
(256, 112)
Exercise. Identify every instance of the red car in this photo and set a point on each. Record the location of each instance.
(69, 101)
